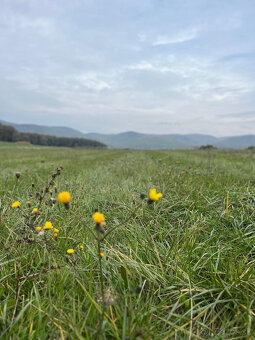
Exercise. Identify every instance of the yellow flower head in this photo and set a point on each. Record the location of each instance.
(16, 204)
(35, 211)
(50, 191)
(55, 235)
(101, 255)
(81, 246)
(70, 251)
(154, 196)
(56, 230)
(98, 217)
(64, 197)
(29, 203)
(55, 187)
(48, 225)
(39, 228)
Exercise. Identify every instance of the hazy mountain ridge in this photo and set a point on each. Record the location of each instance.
(135, 140)
(58, 131)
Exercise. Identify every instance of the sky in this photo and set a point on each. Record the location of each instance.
(109, 66)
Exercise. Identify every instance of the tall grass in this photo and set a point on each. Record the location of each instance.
(181, 268)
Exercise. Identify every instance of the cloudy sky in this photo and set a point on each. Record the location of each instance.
(156, 66)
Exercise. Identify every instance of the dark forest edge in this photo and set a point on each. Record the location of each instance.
(9, 134)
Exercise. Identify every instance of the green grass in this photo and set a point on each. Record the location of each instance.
(178, 269)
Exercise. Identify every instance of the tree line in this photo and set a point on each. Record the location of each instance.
(9, 134)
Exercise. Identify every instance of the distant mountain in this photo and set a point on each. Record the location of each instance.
(235, 142)
(57, 131)
(194, 139)
(135, 140)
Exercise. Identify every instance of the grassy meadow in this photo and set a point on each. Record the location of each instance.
(179, 268)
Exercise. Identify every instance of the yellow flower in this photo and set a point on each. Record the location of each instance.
(35, 211)
(39, 228)
(81, 246)
(48, 225)
(50, 191)
(154, 196)
(101, 255)
(29, 203)
(16, 204)
(64, 197)
(56, 230)
(55, 187)
(55, 235)
(70, 251)
(98, 217)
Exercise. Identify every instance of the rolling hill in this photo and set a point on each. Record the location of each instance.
(58, 131)
(135, 140)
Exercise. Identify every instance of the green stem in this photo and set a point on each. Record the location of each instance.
(100, 330)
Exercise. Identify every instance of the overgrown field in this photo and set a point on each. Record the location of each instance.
(179, 268)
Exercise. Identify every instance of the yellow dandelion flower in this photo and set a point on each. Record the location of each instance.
(56, 230)
(16, 204)
(98, 217)
(154, 196)
(70, 251)
(48, 225)
(64, 197)
(101, 255)
(29, 203)
(39, 228)
(50, 191)
(55, 187)
(55, 235)
(81, 246)
(35, 211)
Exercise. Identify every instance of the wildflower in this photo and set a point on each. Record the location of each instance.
(56, 230)
(16, 204)
(39, 228)
(55, 235)
(81, 246)
(154, 196)
(48, 225)
(101, 255)
(35, 211)
(70, 251)
(17, 174)
(64, 197)
(98, 217)
(55, 188)
(29, 203)
(50, 191)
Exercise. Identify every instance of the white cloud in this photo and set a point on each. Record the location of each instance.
(148, 66)
(125, 62)
(178, 38)
(93, 82)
